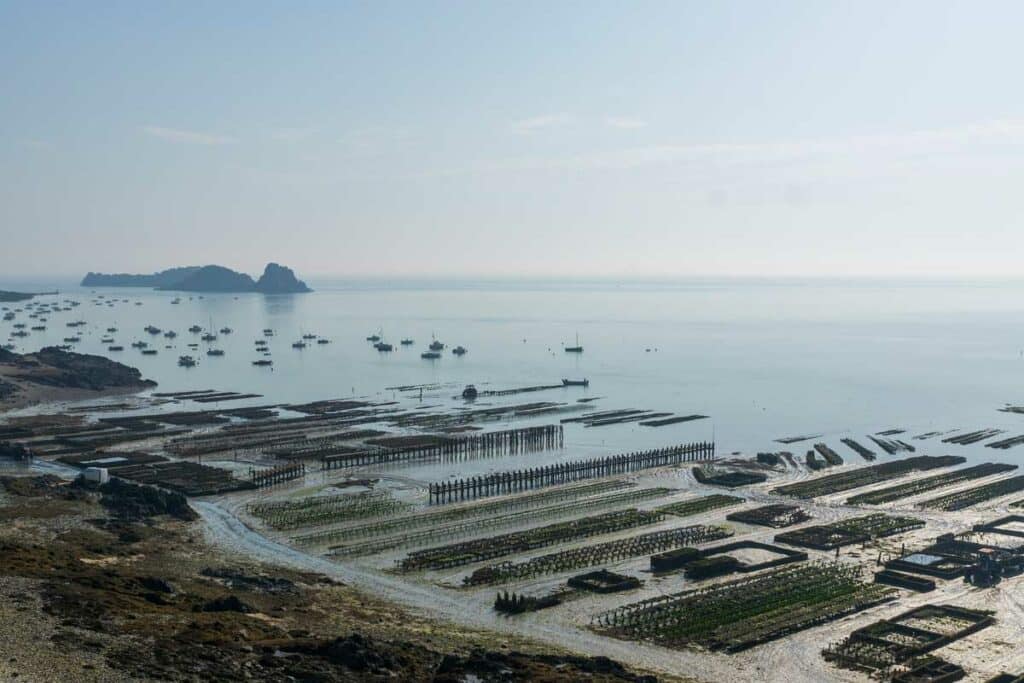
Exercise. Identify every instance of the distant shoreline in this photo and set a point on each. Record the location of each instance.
(14, 297)
(276, 279)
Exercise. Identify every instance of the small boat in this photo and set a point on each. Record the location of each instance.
(22, 333)
(469, 392)
(186, 361)
(459, 350)
(299, 345)
(430, 355)
(576, 382)
(193, 346)
(575, 349)
(436, 345)
(215, 352)
(152, 330)
(226, 330)
(309, 336)
(38, 328)
(195, 329)
(111, 329)
(209, 337)
(19, 326)
(170, 334)
(64, 347)
(107, 340)
(260, 342)
(263, 362)
(72, 340)
(139, 345)
(148, 352)
(407, 342)
(268, 332)
(323, 341)
(373, 338)
(115, 348)
(383, 347)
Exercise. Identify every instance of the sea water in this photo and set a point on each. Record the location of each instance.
(762, 358)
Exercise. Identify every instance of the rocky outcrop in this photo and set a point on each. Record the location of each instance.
(165, 278)
(54, 367)
(84, 371)
(277, 279)
(214, 279)
(137, 501)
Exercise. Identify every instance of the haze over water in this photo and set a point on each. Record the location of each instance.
(764, 358)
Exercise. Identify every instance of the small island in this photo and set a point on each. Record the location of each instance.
(276, 279)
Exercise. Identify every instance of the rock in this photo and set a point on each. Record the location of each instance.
(490, 665)
(70, 370)
(157, 599)
(135, 501)
(229, 603)
(213, 279)
(278, 279)
(357, 653)
(236, 580)
(156, 584)
(162, 279)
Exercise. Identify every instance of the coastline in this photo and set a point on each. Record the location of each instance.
(54, 376)
(39, 396)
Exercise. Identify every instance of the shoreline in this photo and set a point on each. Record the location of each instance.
(41, 396)
(52, 376)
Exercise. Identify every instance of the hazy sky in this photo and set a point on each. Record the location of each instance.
(534, 138)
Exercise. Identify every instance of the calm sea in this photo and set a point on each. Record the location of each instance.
(763, 358)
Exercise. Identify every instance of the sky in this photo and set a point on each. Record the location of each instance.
(507, 139)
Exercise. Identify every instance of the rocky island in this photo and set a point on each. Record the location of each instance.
(276, 279)
(51, 374)
(160, 279)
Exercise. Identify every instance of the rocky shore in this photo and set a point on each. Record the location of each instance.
(52, 374)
